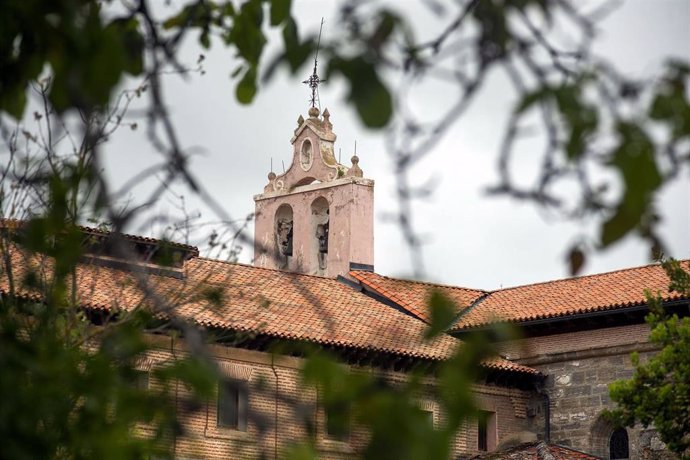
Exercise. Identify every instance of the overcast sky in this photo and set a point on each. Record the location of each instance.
(470, 239)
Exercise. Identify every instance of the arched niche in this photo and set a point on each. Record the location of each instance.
(306, 181)
(306, 154)
(283, 230)
(320, 219)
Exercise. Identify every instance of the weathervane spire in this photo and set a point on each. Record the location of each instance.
(314, 80)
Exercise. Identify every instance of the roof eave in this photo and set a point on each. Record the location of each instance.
(570, 317)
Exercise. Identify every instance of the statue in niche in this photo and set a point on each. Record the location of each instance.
(284, 235)
(306, 155)
(322, 237)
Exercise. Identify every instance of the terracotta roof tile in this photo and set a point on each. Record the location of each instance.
(553, 299)
(259, 301)
(502, 364)
(256, 300)
(15, 224)
(536, 451)
(413, 296)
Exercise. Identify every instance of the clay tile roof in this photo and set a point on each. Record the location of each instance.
(193, 250)
(536, 451)
(255, 301)
(413, 296)
(553, 299)
(15, 224)
(501, 364)
(258, 301)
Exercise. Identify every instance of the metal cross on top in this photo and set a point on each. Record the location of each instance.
(314, 80)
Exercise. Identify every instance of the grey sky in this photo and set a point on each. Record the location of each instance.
(471, 240)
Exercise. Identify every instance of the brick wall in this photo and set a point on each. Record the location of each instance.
(204, 439)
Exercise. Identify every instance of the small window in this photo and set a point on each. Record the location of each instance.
(618, 445)
(482, 432)
(428, 417)
(486, 431)
(232, 405)
(140, 380)
(338, 422)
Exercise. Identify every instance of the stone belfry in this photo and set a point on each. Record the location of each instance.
(318, 216)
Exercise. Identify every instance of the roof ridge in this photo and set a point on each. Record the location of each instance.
(572, 278)
(428, 283)
(275, 270)
(85, 228)
(454, 325)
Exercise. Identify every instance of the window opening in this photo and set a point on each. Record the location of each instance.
(338, 422)
(428, 417)
(487, 434)
(618, 445)
(140, 380)
(483, 431)
(232, 405)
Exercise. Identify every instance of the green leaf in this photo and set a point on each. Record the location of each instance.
(280, 11)
(384, 29)
(671, 104)
(204, 38)
(13, 101)
(442, 313)
(246, 87)
(580, 118)
(247, 34)
(182, 18)
(301, 451)
(531, 98)
(296, 53)
(132, 44)
(367, 92)
(634, 159)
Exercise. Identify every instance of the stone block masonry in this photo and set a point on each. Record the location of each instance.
(580, 366)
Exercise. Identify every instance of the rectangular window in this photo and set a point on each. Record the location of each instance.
(338, 422)
(486, 431)
(482, 431)
(429, 417)
(232, 405)
(139, 380)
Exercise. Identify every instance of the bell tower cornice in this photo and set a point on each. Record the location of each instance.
(313, 158)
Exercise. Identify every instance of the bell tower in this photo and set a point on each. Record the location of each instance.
(318, 216)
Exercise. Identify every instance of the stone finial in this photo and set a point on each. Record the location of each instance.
(271, 176)
(313, 112)
(327, 120)
(300, 120)
(355, 170)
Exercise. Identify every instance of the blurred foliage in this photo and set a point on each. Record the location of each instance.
(71, 382)
(391, 410)
(658, 394)
(71, 386)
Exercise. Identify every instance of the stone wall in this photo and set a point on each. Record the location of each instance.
(580, 366)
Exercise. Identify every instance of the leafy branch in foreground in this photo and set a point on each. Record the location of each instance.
(658, 394)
